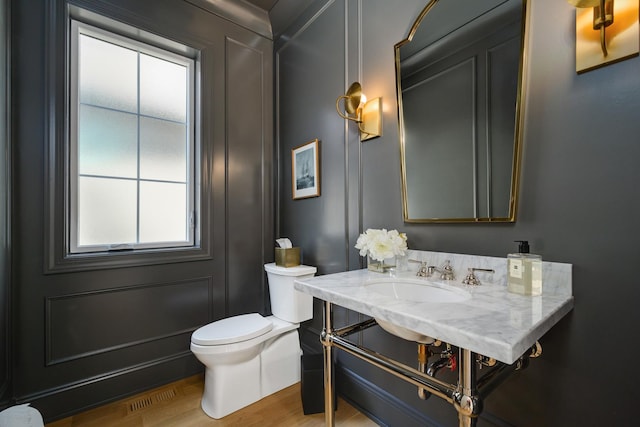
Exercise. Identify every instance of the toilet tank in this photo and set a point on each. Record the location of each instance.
(286, 302)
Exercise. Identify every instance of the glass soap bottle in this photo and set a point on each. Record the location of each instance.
(524, 271)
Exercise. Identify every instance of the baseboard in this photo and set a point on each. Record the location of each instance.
(78, 397)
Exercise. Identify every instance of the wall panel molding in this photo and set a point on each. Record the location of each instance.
(87, 324)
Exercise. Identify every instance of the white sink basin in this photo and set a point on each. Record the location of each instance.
(417, 290)
(414, 290)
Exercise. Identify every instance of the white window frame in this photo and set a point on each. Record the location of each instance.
(192, 232)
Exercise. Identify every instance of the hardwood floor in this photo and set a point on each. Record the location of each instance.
(178, 404)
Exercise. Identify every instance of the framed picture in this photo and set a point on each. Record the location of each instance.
(305, 170)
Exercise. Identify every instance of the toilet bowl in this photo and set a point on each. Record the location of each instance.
(248, 357)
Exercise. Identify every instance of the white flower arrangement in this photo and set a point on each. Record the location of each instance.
(382, 244)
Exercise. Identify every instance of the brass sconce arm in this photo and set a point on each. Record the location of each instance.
(602, 17)
(368, 115)
(352, 100)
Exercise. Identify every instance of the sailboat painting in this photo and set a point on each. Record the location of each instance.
(305, 170)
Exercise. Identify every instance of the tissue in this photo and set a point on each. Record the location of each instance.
(286, 254)
(284, 243)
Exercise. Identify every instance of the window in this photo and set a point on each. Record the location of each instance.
(132, 155)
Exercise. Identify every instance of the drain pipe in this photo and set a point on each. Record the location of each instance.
(447, 360)
(423, 357)
(488, 382)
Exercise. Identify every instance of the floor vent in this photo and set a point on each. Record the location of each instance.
(146, 401)
(140, 404)
(165, 395)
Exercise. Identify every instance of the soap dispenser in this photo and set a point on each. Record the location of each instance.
(524, 271)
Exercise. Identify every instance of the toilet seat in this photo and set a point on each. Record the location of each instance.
(232, 330)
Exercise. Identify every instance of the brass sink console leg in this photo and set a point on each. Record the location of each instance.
(329, 385)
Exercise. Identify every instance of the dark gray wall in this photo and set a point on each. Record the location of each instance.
(579, 204)
(83, 337)
(5, 373)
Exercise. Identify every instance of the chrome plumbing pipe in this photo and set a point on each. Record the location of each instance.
(423, 350)
(435, 386)
(446, 361)
(466, 396)
(423, 357)
(325, 338)
(467, 401)
(355, 328)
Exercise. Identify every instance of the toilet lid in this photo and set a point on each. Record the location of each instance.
(298, 270)
(232, 329)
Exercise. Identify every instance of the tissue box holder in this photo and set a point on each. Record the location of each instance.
(287, 257)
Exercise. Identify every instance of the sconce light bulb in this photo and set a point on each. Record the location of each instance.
(363, 99)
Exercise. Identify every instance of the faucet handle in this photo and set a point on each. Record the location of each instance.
(471, 278)
(447, 271)
(422, 271)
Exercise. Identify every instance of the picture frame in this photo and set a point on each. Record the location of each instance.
(305, 170)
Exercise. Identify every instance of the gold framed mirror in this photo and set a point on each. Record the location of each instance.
(460, 81)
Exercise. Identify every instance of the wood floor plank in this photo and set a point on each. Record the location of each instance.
(178, 404)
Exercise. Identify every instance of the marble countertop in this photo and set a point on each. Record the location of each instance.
(492, 322)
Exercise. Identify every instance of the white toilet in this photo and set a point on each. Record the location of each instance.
(248, 357)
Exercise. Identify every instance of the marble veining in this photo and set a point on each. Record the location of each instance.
(493, 322)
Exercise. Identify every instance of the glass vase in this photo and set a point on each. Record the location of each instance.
(380, 266)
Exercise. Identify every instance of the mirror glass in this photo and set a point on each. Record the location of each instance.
(459, 83)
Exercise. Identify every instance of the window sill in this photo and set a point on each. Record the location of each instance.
(141, 257)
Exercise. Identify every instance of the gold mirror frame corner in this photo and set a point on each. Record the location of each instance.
(518, 132)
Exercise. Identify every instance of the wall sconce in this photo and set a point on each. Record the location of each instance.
(368, 114)
(601, 39)
(602, 17)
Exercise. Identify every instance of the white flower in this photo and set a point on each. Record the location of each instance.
(381, 244)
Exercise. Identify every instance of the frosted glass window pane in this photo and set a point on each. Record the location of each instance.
(163, 89)
(107, 142)
(108, 75)
(163, 150)
(106, 211)
(163, 212)
(131, 152)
